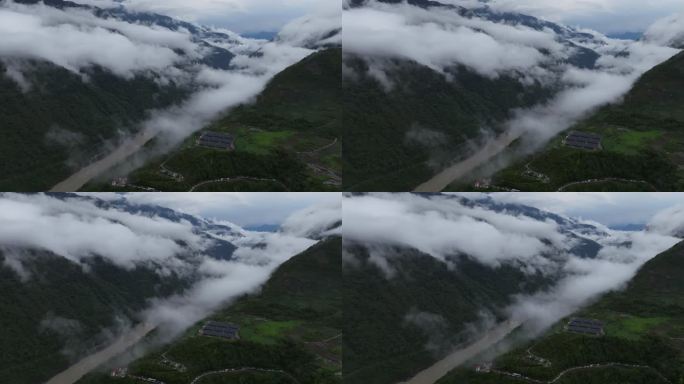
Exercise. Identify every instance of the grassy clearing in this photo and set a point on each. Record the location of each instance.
(261, 142)
(630, 142)
(267, 332)
(633, 327)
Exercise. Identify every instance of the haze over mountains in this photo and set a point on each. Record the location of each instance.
(79, 271)
(521, 77)
(440, 271)
(78, 79)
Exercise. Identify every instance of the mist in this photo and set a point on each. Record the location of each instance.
(79, 229)
(495, 234)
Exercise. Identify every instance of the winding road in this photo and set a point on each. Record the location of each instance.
(581, 368)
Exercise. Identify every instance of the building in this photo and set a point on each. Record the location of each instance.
(583, 140)
(585, 326)
(217, 140)
(217, 329)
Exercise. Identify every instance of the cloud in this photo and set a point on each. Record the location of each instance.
(667, 31)
(435, 38)
(669, 221)
(444, 39)
(76, 39)
(316, 221)
(314, 30)
(443, 227)
(495, 234)
(79, 229)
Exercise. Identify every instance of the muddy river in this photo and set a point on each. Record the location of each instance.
(85, 175)
(459, 170)
(457, 358)
(80, 369)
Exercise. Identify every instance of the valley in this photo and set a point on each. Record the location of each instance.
(287, 141)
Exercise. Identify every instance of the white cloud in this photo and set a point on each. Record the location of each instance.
(436, 39)
(77, 39)
(667, 31)
(443, 227)
(315, 221)
(79, 229)
(493, 235)
(669, 221)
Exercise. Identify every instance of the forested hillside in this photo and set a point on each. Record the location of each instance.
(289, 332)
(644, 327)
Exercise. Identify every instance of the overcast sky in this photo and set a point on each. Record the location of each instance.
(237, 15)
(244, 209)
(607, 208)
(607, 16)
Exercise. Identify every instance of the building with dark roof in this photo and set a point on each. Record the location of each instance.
(585, 326)
(218, 329)
(217, 140)
(583, 140)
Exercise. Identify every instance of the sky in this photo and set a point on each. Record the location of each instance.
(610, 209)
(242, 16)
(244, 209)
(606, 16)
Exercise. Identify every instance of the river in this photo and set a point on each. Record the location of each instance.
(80, 369)
(457, 171)
(456, 358)
(124, 151)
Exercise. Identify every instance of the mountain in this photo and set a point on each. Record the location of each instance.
(56, 310)
(289, 332)
(408, 303)
(642, 341)
(287, 140)
(405, 119)
(65, 109)
(641, 143)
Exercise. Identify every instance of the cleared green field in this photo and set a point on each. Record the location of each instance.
(630, 142)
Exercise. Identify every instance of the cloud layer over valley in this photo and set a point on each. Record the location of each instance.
(580, 70)
(218, 259)
(582, 259)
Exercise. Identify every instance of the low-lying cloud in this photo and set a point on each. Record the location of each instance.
(493, 234)
(78, 229)
(667, 31)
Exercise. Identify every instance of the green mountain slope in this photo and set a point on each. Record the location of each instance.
(57, 314)
(644, 341)
(383, 345)
(643, 143)
(289, 332)
(393, 135)
(62, 121)
(288, 140)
